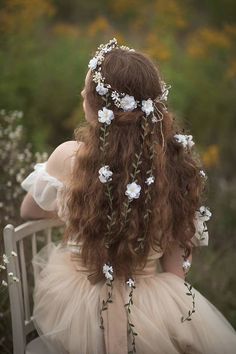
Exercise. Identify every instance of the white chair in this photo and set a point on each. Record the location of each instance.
(19, 294)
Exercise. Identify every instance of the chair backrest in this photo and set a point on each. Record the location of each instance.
(19, 294)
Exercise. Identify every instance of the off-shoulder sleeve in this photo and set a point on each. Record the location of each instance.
(43, 187)
(201, 236)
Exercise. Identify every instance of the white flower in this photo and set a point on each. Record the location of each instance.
(93, 63)
(5, 259)
(16, 279)
(205, 213)
(165, 91)
(202, 174)
(10, 274)
(128, 103)
(147, 106)
(108, 271)
(105, 174)
(14, 254)
(4, 283)
(133, 190)
(105, 115)
(130, 283)
(101, 89)
(186, 265)
(150, 180)
(2, 266)
(97, 77)
(185, 140)
(154, 119)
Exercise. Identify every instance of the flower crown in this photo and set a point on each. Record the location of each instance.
(151, 115)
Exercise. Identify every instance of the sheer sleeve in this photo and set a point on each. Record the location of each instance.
(43, 187)
(201, 237)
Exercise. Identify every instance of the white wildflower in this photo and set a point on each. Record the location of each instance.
(130, 283)
(10, 274)
(185, 140)
(101, 89)
(105, 174)
(105, 115)
(16, 279)
(203, 174)
(128, 103)
(147, 106)
(2, 267)
(186, 264)
(5, 259)
(133, 190)
(4, 283)
(14, 254)
(205, 213)
(108, 271)
(93, 63)
(150, 180)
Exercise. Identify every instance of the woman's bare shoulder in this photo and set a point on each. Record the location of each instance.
(59, 163)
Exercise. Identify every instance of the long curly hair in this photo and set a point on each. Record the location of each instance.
(175, 194)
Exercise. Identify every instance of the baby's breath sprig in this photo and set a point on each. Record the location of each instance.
(131, 327)
(190, 312)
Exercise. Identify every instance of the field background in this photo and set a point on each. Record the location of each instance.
(45, 47)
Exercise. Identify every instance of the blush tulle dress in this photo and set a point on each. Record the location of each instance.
(67, 306)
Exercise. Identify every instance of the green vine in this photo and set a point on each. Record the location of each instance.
(190, 312)
(131, 327)
(106, 302)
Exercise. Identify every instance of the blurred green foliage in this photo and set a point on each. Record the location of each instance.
(44, 51)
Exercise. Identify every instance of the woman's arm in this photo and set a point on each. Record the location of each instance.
(172, 260)
(30, 210)
(58, 166)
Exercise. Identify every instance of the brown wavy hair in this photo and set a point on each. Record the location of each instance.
(175, 194)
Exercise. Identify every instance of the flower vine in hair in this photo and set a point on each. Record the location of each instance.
(131, 328)
(201, 216)
(108, 273)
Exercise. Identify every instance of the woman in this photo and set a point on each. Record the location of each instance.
(129, 191)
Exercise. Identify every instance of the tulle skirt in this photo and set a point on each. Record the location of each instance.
(67, 312)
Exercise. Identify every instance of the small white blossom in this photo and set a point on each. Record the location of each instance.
(97, 77)
(4, 283)
(205, 213)
(2, 266)
(185, 140)
(10, 274)
(203, 174)
(16, 279)
(133, 190)
(101, 89)
(105, 174)
(154, 119)
(93, 63)
(147, 106)
(14, 254)
(165, 91)
(128, 103)
(108, 271)
(105, 115)
(5, 259)
(186, 265)
(130, 283)
(150, 180)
